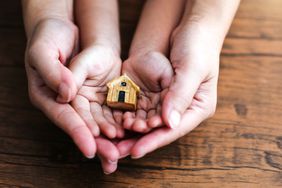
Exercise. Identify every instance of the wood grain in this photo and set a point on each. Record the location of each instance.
(241, 146)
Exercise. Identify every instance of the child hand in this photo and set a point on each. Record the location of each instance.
(152, 72)
(92, 69)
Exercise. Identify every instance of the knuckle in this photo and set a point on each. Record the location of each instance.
(211, 110)
(31, 52)
(128, 66)
(74, 131)
(152, 56)
(33, 99)
(183, 101)
(34, 50)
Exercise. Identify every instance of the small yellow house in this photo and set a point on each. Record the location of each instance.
(122, 93)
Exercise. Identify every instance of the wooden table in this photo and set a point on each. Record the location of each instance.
(241, 146)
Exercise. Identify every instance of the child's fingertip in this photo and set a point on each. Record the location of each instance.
(90, 156)
(111, 132)
(127, 124)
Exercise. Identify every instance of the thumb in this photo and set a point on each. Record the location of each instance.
(55, 75)
(179, 96)
(79, 69)
(89, 64)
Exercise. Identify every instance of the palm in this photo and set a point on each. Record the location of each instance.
(152, 73)
(101, 66)
(53, 42)
(194, 81)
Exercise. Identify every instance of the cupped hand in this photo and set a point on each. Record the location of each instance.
(152, 72)
(50, 82)
(92, 69)
(51, 46)
(191, 96)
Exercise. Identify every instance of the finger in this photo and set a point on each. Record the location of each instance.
(125, 146)
(56, 76)
(79, 68)
(179, 96)
(140, 124)
(108, 153)
(142, 114)
(108, 167)
(129, 115)
(65, 117)
(200, 109)
(108, 114)
(82, 107)
(155, 121)
(94, 94)
(106, 127)
(118, 116)
(128, 120)
(164, 136)
(151, 113)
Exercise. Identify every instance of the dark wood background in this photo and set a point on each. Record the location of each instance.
(241, 146)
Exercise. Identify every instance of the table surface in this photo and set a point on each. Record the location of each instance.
(241, 146)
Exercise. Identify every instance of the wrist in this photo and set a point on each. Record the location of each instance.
(35, 11)
(101, 42)
(210, 18)
(201, 34)
(105, 48)
(49, 22)
(144, 53)
(105, 44)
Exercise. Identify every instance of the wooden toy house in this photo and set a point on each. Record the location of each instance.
(122, 93)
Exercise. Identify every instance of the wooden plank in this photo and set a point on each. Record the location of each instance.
(241, 146)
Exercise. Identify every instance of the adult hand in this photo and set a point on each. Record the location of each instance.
(52, 43)
(191, 97)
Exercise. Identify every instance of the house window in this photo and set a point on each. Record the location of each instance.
(123, 84)
(121, 96)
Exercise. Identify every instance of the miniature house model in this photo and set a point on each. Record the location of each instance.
(122, 93)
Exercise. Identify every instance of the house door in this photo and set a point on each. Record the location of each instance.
(121, 96)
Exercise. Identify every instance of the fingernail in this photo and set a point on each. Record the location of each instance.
(123, 156)
(138, 156)
(63, 88)
(174, 119)
(90, 156)
(107, 173)
(112, 162)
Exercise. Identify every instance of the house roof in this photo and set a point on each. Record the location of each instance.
(120, 79)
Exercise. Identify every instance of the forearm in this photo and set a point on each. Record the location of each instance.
(158, 19)
(212, 18)
(98, 21)
(36, 10)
